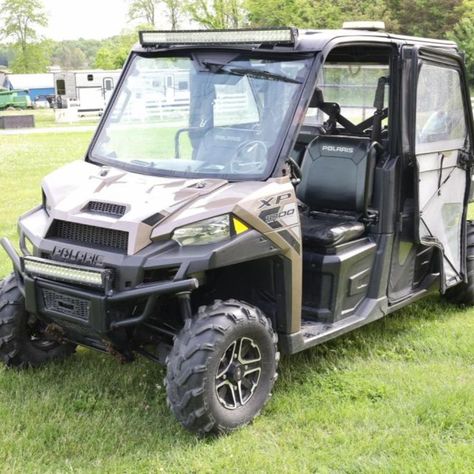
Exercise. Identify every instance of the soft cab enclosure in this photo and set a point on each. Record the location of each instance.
(440, 144)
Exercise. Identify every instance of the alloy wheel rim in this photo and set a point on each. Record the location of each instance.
(238, 373)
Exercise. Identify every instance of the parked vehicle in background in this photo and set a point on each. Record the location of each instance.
(91, 89)
(36, 84)
(311, 182)
(44, 101)
(17, 99)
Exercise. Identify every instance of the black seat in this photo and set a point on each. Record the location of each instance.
(328, 230)
(336, 185)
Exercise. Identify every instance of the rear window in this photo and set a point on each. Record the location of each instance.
(352, 86)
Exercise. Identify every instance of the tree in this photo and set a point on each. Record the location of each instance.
(21, 19)
(7, 55)
(36, 58)
(69, 56)
(463, 34)
(414, 17)
(113, 54)
(88, 46)
(218, 14)
(321, 14)
(143, 10)
(148, 10)
(369, 10)
(429, 18)
(174, 12)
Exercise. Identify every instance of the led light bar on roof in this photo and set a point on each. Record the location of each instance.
(269, 35)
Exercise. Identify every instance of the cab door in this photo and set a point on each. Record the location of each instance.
(441, 152)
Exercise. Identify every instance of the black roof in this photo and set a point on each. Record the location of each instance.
(317, 40)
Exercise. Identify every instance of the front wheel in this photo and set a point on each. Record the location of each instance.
(222, 367)
(23, 342)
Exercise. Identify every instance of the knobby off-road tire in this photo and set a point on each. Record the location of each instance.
(222, 367)
(463, 294)
(22, 342)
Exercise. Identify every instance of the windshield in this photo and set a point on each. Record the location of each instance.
(208, 115)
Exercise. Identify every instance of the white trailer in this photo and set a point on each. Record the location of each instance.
(91, 90)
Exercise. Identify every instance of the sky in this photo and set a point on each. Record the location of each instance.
(73, 19)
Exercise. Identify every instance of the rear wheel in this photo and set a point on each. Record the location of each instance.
(23, 342)
(222, 367)
(463, 293)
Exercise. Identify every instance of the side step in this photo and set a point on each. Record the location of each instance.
(314, 332)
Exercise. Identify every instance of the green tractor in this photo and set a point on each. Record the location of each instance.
(17, 99)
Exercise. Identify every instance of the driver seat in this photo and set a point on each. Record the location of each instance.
(336, 187)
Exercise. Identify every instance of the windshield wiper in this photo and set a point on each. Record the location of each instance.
(251, 72)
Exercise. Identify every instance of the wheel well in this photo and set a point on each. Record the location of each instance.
(260, 282)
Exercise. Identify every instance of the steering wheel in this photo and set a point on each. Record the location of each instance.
(250, 157)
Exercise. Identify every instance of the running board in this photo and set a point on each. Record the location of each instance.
(313, 333)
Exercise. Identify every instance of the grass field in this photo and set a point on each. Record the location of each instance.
(396, 396)
(45, 118)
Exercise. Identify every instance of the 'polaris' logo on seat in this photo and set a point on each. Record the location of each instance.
(341, 149)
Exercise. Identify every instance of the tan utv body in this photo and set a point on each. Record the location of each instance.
(248, 193)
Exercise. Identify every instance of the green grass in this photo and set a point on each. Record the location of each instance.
(45, 118)
(396, 396)
(24, 160)
(149, 144)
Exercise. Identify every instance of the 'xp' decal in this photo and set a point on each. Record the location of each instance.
(274, 200)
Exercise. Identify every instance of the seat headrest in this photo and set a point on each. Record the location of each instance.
(353, 148)
(334, 172)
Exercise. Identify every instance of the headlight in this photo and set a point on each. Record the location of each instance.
(209, 231)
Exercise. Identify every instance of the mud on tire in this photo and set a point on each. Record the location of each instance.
(22, 343)
(463, 294)
(222, 367)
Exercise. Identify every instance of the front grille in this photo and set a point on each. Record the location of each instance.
(89, 235)
(67, 305)
(106, 209)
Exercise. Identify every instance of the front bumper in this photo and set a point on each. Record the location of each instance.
(64, 304)
(87, 310)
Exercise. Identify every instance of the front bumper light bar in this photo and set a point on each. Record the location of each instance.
(87, 276)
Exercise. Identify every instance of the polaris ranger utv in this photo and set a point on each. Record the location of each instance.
(248, 193)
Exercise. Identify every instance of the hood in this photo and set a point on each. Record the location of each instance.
(111, 198)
